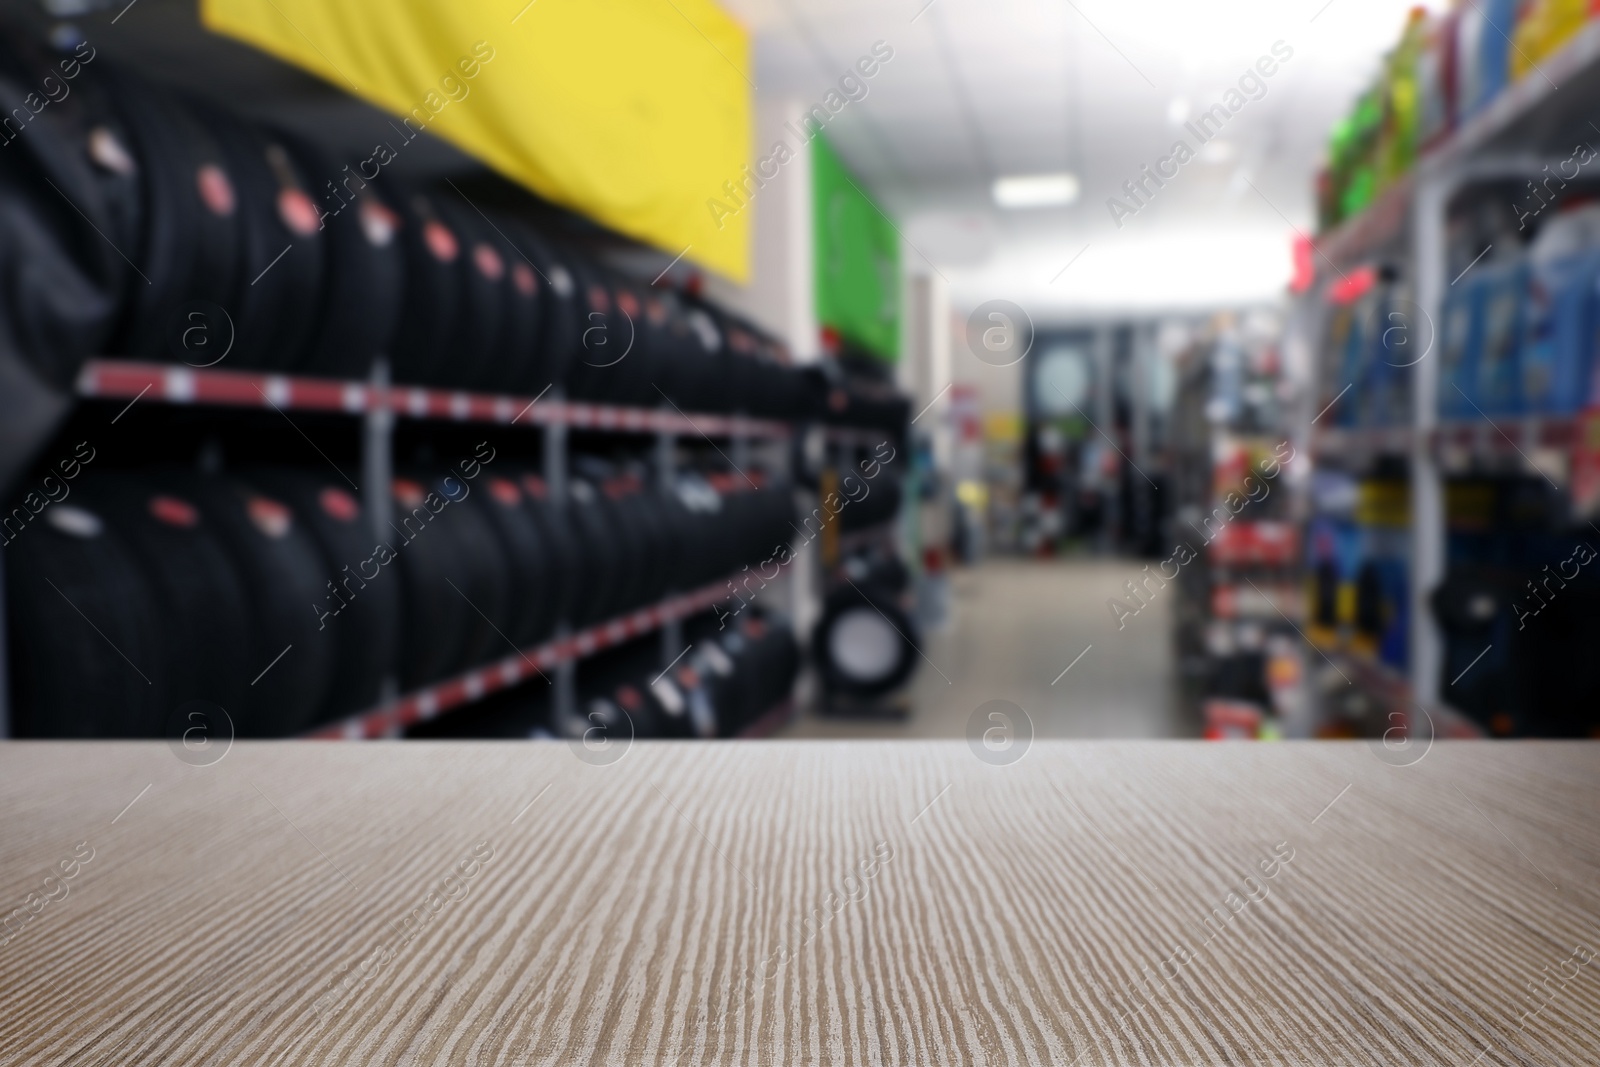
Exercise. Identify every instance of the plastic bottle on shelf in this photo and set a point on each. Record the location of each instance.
(1559, 322)
(1497, 385)
(1397, 350)
(1382, 613)
(1483, 46)
(1397, 144)
(1544, 27)
(1361, 175)
(1437, 81)
(1365, 339)
(1461, 326)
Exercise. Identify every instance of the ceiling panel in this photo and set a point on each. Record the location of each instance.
(980, 89)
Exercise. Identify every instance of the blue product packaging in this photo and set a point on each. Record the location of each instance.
(1365, 338)
(1499, 385)
(1558, 335)
(1393, 643)
(1459, 337)
(1488, 67)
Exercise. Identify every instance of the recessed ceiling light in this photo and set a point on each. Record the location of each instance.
(1036, 190)
(1177, 110)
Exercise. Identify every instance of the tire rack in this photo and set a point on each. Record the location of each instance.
(1520, 132)
(378, 404)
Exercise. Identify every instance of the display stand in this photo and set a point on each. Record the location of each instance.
(378, 403)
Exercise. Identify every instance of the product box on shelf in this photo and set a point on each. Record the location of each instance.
(1333, 558)
(1459, 343)
(1558, 335)
(1265, 543)
(1382, 607)
(1359, 344)
(1484, 48)
(1559, 323)
(1497, 386)
(1438, 79)
(1542, 27)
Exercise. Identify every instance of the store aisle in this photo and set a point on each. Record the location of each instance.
(1015, 626)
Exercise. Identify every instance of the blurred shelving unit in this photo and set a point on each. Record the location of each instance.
(1241, 668)
(1395, 259)
(378, 403)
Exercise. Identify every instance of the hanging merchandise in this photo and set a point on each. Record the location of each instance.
(633, 113)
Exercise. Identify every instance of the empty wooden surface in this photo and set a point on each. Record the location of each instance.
(264, 909)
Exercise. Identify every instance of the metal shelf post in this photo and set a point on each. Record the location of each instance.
(377, 452)
(555, 477)
(666, 481)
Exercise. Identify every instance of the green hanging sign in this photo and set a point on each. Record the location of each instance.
(857, 259)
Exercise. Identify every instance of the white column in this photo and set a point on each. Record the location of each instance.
(780, 294)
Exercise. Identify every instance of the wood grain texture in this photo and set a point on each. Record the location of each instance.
(260, 911)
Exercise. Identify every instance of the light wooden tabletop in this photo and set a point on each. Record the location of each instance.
(796, 903)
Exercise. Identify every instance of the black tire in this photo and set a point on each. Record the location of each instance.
(646, 549)
(282, 571)
(881, 504)
(433, 301)
(864, 645)
(366, 273)
(198, 594)
(85, 632)
(361, 615)
(530, 612)
(702, 373)
(457, 601)
(190, 243)
(472, 360)
(609, 563)
(520, 359)
(561, 317)
(634, 368)
(568, 559)
(279, 282)
(592, 373)
(512, 714)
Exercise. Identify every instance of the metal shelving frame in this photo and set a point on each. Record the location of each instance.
(378, 403)
(1515, 137)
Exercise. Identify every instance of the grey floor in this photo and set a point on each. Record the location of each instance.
(1014, 626)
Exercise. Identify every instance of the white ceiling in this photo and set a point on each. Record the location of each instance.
(980, 90)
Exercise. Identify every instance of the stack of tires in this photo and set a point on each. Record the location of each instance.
(267, 592)
(169, 229)
(732, 674)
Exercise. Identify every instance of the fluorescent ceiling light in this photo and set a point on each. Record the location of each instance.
(1036, 190)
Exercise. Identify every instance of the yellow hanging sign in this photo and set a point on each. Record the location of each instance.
(631, 112)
